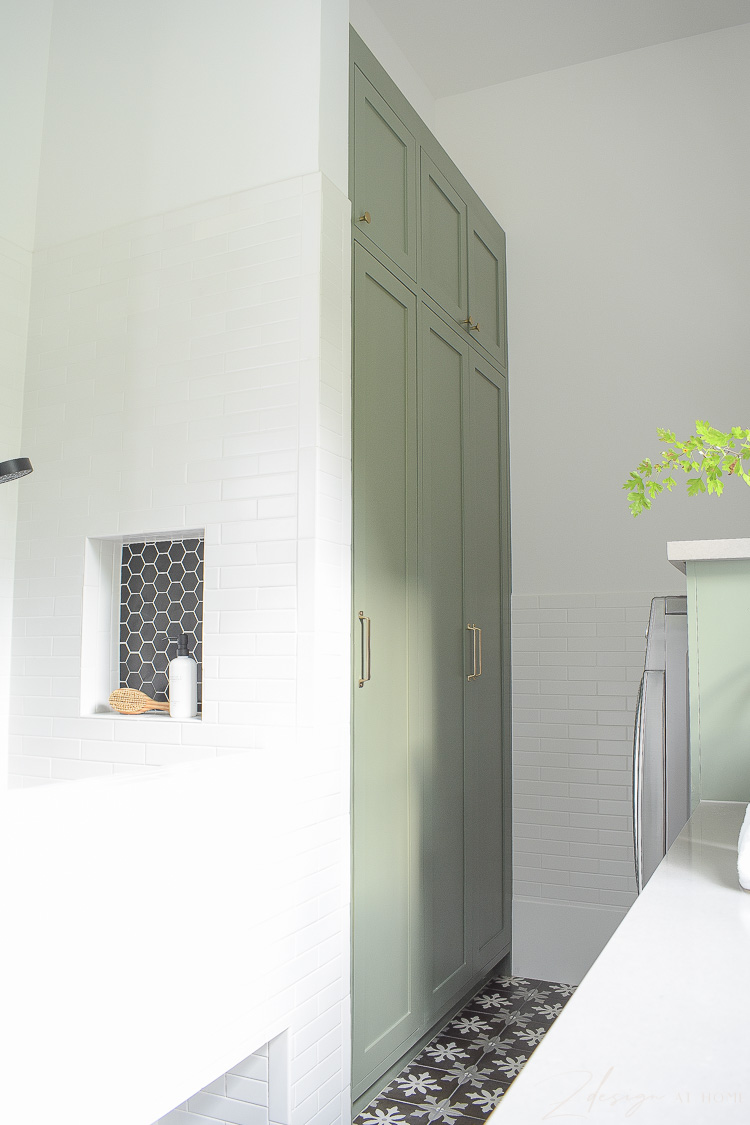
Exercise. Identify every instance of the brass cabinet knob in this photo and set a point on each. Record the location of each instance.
(366, 218)
(471, 325)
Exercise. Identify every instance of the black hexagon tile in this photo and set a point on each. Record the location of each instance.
(161, 596)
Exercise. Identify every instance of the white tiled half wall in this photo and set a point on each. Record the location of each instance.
(15, 282)
(577, 664)
(190, 371)
(239, 1097)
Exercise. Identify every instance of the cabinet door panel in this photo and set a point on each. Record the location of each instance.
(444, 263)
(487, 286)
(488, 591)
(442, 646)
(387, 988)
(385, 176)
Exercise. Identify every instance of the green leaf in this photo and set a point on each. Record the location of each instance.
(695, 485)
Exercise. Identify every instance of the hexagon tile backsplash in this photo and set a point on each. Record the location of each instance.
(161, 596)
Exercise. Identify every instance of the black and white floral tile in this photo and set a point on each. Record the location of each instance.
(460, 1077)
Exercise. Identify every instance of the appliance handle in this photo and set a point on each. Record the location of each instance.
(650, 692)
(638, 785)
(365, 650)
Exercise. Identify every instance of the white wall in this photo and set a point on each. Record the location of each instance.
(393, 60)
(24, 46)
(153, 106)
(15, 283)
(24, 50)
(622, 186)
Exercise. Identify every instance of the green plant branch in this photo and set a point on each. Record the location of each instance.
(708, 454)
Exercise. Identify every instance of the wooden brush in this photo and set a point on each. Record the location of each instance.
(128, 701)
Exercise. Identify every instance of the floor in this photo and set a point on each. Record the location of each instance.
(460, 1077)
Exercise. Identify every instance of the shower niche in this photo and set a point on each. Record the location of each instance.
(140, 594)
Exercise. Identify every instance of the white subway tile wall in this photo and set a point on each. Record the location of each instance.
(15, 283)
(191, 370)
(186, 371)
(577, 663)
(239, 1097)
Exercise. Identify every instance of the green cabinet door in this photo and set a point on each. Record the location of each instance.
(487, 561)
(487, 285)
(444, 258)
(442, 393)
(385, 177)
(387, 928)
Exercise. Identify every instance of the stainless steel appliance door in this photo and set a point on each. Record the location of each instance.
(649, 781)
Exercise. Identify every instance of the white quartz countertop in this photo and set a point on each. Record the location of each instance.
(681, 552)
(659, 1029)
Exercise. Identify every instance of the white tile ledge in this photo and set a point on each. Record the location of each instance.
(679, 553)
(155, 717)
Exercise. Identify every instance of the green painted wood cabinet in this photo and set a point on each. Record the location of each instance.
(718, 598)
(487, 285)
(445, 265)
(386, 809)
(431, 685)
(462, 258)
(384, 190)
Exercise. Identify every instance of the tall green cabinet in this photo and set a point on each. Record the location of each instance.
(431, 681)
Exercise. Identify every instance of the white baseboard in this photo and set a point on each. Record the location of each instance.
(559, 941)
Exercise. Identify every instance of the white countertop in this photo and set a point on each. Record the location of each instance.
(659, 1029)
(679, 553)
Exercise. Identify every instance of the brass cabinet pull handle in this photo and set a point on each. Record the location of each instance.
(366, 218)
(472, 325)
(476, 652)
(365, 662)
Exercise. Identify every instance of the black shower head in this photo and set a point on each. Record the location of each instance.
(12, 470)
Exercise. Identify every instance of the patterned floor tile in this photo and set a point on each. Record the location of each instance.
(444, 1051)
(417, 1080)
(386, 1111)
(461, 1076)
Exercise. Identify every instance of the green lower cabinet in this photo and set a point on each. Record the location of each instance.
(443, 387)
(431, 881)
(486, 552)
(387, 926)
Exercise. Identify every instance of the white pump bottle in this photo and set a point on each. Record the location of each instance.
(183, 683)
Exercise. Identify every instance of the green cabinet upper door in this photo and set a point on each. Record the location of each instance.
(387, 925)
(487, 285)
(487, 565)
(385, 177)
(442, 397)
(444, 257)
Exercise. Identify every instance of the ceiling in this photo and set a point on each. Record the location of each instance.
(459, 45)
